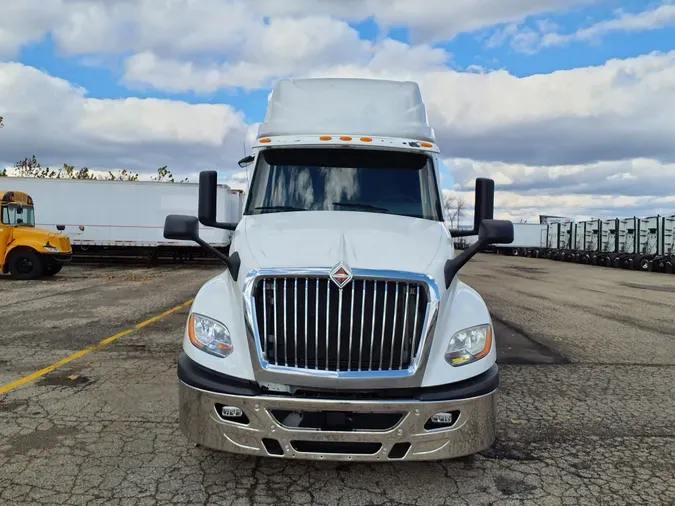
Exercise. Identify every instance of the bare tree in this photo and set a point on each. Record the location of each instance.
(31, 167)
(449, 206)
(453, 207)
(459, 209)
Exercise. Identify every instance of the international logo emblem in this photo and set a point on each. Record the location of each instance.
(341, 275)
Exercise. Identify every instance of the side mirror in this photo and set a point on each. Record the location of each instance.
(495, 232)
(208, 196)
(181, 227)
(60, 228)
(246, 161)
(484, 205)
(488, 230)
(186, 228)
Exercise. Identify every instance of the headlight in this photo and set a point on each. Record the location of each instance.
(469, 345)
(209, 335)
(51, 248)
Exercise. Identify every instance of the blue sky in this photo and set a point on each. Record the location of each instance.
(592, 128)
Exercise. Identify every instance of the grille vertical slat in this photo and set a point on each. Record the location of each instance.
(295, 314)
(276, 328)
(372, 326)
(363, 314)
(351, 327)
(405, 320)
(384, 321)
(316, 330)
(285, 324)
(392, 320)
(417, 303)
(306, 317)
(327, 321)
(265, 334)
(339, 330)
(393, 330)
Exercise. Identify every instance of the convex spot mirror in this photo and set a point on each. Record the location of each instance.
(495, 232)
(182, 228)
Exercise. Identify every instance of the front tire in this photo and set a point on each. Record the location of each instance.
(25, 264)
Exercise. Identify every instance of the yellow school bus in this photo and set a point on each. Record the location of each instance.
(27, 252)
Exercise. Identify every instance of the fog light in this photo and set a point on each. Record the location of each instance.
(231, 412)
(442, 418)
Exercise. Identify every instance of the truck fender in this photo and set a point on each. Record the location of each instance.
(460, 307)
(221, 299)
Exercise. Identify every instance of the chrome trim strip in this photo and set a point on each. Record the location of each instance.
(410, 377)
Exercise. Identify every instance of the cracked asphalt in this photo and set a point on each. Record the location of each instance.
(585, 408)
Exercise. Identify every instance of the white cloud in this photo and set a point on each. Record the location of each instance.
(576, 116)
(284, 48)
(546, 34)
(57, 122)
(184, 27)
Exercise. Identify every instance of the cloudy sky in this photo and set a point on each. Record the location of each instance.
(568, 104)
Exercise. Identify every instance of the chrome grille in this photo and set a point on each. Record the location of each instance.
(369, 325)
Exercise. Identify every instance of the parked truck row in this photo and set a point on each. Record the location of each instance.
(646, 244)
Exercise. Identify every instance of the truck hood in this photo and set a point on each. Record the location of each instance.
(362, 240)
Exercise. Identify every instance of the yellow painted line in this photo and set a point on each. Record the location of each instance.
(82, 353)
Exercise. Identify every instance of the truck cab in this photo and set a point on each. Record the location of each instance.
(27, 252)
(340, 329)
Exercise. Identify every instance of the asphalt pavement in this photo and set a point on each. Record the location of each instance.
(585, 406)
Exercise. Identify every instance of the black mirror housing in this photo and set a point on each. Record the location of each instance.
(182, 228)
(60, 228)
(208, 195)
(495, 232)
(484, 205)
(484, 201)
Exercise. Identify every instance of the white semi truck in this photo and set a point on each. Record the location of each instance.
(339, 329)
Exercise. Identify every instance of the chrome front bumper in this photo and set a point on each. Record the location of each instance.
(201, 423)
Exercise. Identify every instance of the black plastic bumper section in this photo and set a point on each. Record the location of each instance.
(62, 258)
(193, 374)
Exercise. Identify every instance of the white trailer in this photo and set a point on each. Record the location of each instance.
(528, 238)
(123, 217)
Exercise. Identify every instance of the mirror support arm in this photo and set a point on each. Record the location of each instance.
(232, 262)
(453, 265)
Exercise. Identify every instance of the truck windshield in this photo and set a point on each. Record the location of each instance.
(345, 179)
(13, 214)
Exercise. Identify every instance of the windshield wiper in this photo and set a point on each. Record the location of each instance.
(279, 208)
(362, 206)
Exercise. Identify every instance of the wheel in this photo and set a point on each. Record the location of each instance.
(25, 264)
(643, 263)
